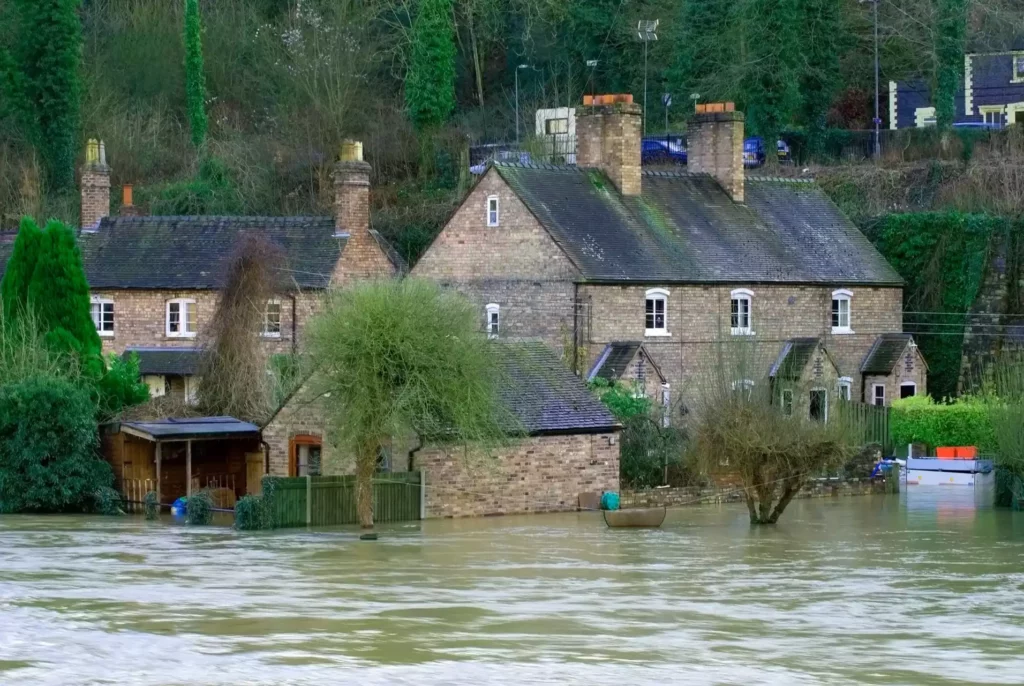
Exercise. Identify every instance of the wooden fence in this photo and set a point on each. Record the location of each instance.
(396, 498)
(868, 423)
(133, 491)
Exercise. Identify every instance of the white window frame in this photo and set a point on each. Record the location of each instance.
(842, 295)
(183, 305)
(266, 332)
(911, 384)
(493, 326)
(493, 215)
(102, 302)
(657, 295)
(746, 385)
(740, 295)
(874, 394)
(824, 392)
(1018, 62)
(560, 123)
(786, 399)
(845, 384)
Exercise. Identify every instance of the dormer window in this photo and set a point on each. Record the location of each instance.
(841, 311)
(656, 312)
(493, 312)
(492, 210)
(740, 309)
(1018, 68)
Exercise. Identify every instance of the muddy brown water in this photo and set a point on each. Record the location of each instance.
(918, 589)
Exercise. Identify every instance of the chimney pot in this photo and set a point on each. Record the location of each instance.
(126, 195)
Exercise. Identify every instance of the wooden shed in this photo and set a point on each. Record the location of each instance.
(175, 457)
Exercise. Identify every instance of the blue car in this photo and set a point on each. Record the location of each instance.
(662, 151)
(754, 154)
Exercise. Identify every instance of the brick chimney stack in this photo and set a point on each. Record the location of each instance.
(352, 191)
(714, 140)
(95, 185)
(608, 133)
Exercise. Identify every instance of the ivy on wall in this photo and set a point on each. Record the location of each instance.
(943, 257)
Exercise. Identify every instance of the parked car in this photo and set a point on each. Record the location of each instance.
(754, 154)
(663, 150)
(979, 125)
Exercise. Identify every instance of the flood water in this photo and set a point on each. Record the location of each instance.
(915, 589)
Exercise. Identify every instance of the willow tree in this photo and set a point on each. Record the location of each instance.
(403, 358)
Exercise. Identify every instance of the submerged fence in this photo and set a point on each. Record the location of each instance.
(331, 500)
(868, 423)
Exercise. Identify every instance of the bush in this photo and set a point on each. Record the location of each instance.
(107, 501)
(921, 420)
(121, 386)
(199, 508)
(252, 513)
(647, 448)
(151, 505)
(48, 441)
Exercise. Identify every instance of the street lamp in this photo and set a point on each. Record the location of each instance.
(877, 148)
(645, 31)
(521, 66)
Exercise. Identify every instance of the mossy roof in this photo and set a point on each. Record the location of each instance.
(684, 228)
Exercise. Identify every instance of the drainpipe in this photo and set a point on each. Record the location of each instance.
(575, 328)
(295, 344)
(412, 453)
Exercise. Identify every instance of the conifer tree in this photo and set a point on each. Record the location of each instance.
(195, 79)
(430, 83)
(18, 274)
(706, 59)
(821, 41)
(46, 58)
(59, 296)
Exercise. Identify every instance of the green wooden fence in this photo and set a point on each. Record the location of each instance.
(868, 423)
(396, 498)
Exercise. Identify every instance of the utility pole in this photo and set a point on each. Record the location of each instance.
(521, 66)
(877, 147)
(645, 31)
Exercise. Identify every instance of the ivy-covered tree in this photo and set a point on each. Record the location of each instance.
(430, 83)
(46, 81)
(59, 296)
(21, 265)
(195, 79)
(950, 42)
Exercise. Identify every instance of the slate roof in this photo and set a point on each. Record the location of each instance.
(174, 361)
(545, 396)
(885, 353)
(793, 358)
(685, 228)
(613, 360)
(195, 427)
(190, 252)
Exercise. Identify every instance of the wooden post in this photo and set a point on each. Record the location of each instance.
(423, 494)
(188, 468)
(309, 497)
(159, 490)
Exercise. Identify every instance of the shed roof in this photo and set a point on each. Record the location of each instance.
(545, 396)
(793, 358)
(885, 353)
(192, 428)
(684, 228)
(611, 364)
(178, 361)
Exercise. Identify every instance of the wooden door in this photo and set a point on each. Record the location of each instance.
(254, 471)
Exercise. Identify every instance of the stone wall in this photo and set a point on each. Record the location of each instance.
(540, 474)
(515, 265)
(676, 497)
(698, 316)
(140, 318)
(909, 369)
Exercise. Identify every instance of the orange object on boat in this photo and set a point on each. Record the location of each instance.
(945, 453)
(968, 452)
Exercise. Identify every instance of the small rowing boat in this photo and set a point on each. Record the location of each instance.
(636, 518)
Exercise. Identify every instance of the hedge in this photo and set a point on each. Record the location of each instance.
(922, 420)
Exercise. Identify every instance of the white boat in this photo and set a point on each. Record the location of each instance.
(930, 471)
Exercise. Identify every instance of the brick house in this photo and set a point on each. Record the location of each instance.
(154, 280)
(570, 446)
(585, 256)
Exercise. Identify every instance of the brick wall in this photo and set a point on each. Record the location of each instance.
(95, 184)
(909, 369)
(302, 414)
(541, 474)
(697, 316)
(140, 318)
(515, 265)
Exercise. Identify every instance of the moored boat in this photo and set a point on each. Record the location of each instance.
(636, 518)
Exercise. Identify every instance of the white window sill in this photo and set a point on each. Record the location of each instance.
(181, 335)
(105, 334)
(742, 331)
(266, 334)
(657, 333)
(842, 330)
(493, 226)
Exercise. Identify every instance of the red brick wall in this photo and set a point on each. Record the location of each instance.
(541, 474)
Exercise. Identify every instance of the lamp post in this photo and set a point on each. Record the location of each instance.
(521, 66)
(645, 31)
(877, 147)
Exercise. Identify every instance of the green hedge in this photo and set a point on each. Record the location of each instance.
(921, 420)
